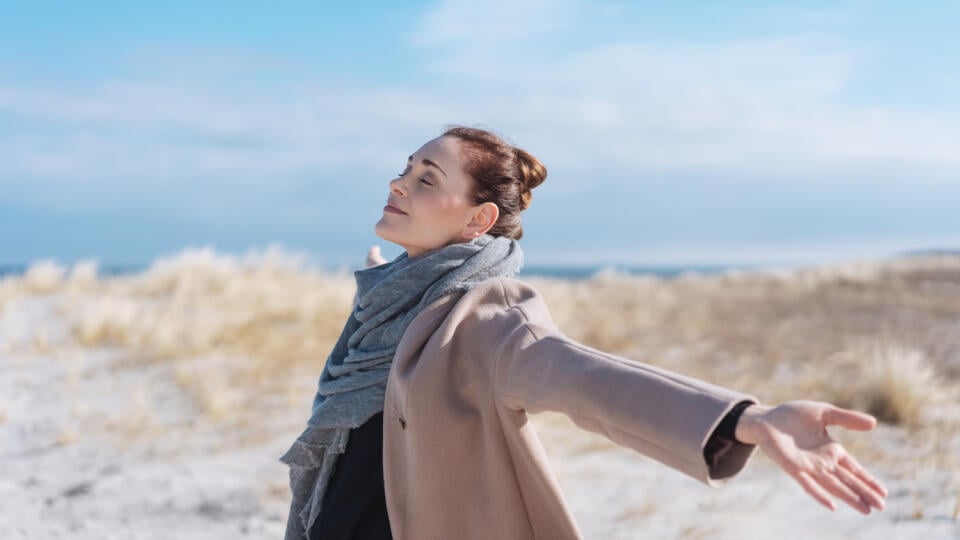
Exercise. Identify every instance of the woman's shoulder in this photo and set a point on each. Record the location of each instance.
(502, 291)
(492, 307)
(502, 298)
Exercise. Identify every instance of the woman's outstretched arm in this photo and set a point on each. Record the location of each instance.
(794, 435)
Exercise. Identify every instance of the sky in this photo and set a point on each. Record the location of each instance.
(684, 132)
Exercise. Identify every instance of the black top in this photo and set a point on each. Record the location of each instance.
(722, 440)
(355, 506)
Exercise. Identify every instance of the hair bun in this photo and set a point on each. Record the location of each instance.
(532, 173)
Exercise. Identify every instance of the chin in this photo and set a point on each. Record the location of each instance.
(378, 229)
(382, 230)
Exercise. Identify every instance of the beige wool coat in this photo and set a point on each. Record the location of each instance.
(461, 459)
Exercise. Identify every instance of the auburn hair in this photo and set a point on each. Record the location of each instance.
(501, 173)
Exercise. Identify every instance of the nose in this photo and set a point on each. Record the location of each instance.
(397, 187)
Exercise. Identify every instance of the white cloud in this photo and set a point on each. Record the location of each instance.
(755, 105)
(758, 105)
(773, 106)
(452, 22)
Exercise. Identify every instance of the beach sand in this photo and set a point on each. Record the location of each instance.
(155, 405)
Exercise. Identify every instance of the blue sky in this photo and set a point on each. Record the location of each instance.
(674, 132)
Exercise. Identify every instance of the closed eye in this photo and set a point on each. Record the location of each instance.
(423, 179)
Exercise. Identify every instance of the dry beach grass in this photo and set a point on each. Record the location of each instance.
(205, 354)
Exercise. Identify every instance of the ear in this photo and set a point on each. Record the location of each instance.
(483, 219)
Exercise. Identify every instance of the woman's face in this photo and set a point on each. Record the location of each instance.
(429, 204)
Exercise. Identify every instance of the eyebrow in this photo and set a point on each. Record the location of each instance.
(430, 163)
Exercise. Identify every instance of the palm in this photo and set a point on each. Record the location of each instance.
(794, 435)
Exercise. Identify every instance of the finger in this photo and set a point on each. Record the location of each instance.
(866, 493)
(374, 258)
(814, 490)
(846, 418)
(854, 466)
(831, 481)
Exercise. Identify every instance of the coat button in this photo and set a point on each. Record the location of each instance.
(403, 423)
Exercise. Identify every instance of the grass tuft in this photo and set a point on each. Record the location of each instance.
(897, 384)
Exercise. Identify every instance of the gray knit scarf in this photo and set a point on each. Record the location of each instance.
(354, 380)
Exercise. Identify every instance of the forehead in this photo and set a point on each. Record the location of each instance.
(444, 151)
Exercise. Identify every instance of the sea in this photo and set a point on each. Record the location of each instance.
(573, 272)
(560, 271)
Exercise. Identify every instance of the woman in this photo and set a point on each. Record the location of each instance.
(419, 425)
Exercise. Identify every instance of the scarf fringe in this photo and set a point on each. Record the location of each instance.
(311, 467)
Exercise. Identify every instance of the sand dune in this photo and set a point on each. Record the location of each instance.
(154, 405)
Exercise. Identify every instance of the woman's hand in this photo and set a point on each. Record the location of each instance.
(794, 435)
(374, 258)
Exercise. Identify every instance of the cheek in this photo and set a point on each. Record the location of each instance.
(439, 210)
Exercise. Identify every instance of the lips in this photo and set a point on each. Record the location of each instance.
(393, 209)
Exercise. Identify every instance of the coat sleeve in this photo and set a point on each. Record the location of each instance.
(664, 415)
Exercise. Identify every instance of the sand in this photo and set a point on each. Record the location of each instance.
(101, 441)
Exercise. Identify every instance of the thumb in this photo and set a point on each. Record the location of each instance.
(374, 258)
(846, 418)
